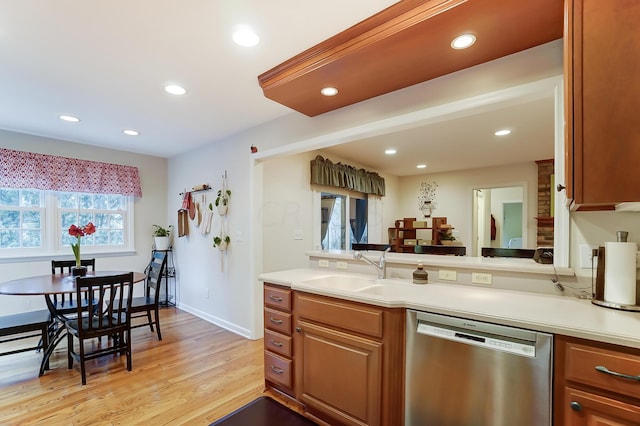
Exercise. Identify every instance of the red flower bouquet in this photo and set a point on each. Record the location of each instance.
(78, 232)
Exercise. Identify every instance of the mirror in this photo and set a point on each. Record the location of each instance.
(497, 220)
(453, 138)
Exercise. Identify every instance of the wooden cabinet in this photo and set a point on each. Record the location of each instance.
(404, 236)
(602, 99)
(278, 343)
(349, 360)
(588, 387)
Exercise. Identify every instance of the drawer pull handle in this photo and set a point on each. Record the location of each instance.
(275, 321)
(277, 370)
(275, 298)
(274, 343)
(605, 370)
(575, 406)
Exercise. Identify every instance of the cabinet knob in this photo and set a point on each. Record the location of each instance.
(299, 329)
(560, 187)
(575, 406)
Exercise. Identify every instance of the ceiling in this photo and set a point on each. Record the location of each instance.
(462, 141)
(107, 63)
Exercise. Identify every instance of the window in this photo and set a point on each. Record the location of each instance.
(36, 223)
(334, 219)
(21, 218)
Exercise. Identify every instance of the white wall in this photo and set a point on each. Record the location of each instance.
(596, 228)
(149, 209)
(454, 194)
(289, 207)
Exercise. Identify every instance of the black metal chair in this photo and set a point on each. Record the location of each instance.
(108, 315)
(141, 307)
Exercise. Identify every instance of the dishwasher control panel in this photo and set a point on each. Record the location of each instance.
(505, 344)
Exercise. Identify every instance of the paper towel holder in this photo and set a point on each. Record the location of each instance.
(598, 293)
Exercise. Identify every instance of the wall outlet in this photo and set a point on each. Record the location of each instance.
(297, 234)
(342, 265)
(586, 253)
(445, 274)
(478, 278)
(323, 263)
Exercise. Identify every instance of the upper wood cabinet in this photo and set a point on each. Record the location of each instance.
(602, 100)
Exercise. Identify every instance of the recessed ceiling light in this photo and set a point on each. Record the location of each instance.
(329, 91)
(131, 132)
(421, 166)
(174, 89)
(246, 37)
(390, 151)
(463, 41)
(503, 132)
(69, 118)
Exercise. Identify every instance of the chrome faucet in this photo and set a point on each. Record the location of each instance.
(381, 266)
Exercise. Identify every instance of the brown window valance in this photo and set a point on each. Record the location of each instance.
(324, 172)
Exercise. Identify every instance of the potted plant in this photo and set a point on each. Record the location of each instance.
(446, 237)
(161, 236)
(222, 201)
(221, 241)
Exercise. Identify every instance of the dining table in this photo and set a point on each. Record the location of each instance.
(47, 286)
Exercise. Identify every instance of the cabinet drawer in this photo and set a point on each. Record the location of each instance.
(348, 316)
(279, 298)
(581, 362)
(277, 321)
(278, 343)
(277, 369)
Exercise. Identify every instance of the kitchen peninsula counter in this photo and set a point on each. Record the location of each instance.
(564, 315)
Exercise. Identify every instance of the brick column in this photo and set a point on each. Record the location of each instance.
(544, 218)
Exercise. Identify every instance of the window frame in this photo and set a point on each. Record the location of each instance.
(317, 191)
(51, 244)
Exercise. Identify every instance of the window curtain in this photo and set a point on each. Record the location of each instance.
(324, 172)
(19, 169)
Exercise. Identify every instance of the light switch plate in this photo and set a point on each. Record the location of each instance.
(445, 274)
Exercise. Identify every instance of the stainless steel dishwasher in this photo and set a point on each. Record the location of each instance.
(469, 373)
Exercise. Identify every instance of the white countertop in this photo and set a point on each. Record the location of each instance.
(547, 313)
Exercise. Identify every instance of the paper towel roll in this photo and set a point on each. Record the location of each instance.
(620, 273)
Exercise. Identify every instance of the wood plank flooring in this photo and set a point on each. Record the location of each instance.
(198, 373)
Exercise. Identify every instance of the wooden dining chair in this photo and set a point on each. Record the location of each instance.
(66, 304)
(141, 307)
(108, 315)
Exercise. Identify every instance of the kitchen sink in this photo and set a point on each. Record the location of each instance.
(378, 290)
(342, 282)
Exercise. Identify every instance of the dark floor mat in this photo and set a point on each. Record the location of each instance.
(263, 411)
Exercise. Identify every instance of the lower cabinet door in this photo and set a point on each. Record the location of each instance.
(338, 374)
(584, 408)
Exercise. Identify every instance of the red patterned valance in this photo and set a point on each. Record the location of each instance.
(19, 169)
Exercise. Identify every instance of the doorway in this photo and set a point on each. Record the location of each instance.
(512, 223)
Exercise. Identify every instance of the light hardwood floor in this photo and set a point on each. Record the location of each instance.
(198, 373)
